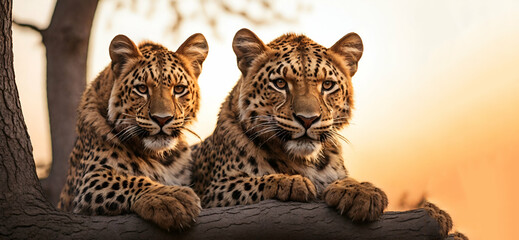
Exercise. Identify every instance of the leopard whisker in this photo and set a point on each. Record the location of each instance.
(341, 137)
(277, 134)
(262, 132)
(332, 140)
(338, 118)
(259, 125)
(129, 115)
(118, 133)
(192, 132)
(335, 141)
(130, 132)
(340, 121)
(261, 117)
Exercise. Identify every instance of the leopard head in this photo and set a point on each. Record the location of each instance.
(155, 94)
(295, 94)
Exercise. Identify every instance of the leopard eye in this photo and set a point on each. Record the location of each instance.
(141, 88)
(280, 83)
(179, 89)
(328, 85)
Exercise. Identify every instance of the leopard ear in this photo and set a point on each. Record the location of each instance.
(349, 49)
(122, 51)
(195, 50)
(247, 46)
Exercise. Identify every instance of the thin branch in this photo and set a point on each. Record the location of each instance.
(28, 25)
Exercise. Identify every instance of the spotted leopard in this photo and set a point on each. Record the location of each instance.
(277, 131)
(130, 154)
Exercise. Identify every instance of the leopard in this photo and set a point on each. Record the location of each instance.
(131, 153)
(277, 133)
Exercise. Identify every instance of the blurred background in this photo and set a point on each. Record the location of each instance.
(437, 90)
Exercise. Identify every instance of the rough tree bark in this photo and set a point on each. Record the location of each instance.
(66, 43)
(26, 214)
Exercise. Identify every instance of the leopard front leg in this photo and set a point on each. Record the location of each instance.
(170, 207)
(289, 188)
(104, 192)
(248, 190)
(358, 201)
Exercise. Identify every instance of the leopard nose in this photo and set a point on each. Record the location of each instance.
(307, 121)
(161, 121)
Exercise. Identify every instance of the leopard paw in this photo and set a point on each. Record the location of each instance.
(441, 217)
(170, 207)
(358, 201)
(291, 188)
(456, 236)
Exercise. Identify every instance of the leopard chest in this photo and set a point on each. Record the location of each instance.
(321, 174)
(174, 170)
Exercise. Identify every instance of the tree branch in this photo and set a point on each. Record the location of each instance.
(28, 25)
(272, 219)
(269, 219)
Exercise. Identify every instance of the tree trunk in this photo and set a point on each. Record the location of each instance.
(26, 214)
(66, 42)
(18, 181)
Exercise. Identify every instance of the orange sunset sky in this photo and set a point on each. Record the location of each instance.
(437, 91)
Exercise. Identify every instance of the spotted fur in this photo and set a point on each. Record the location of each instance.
(277, 132)
(130, 154)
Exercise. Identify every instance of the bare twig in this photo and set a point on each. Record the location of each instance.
(28, 25)
(256, 12)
